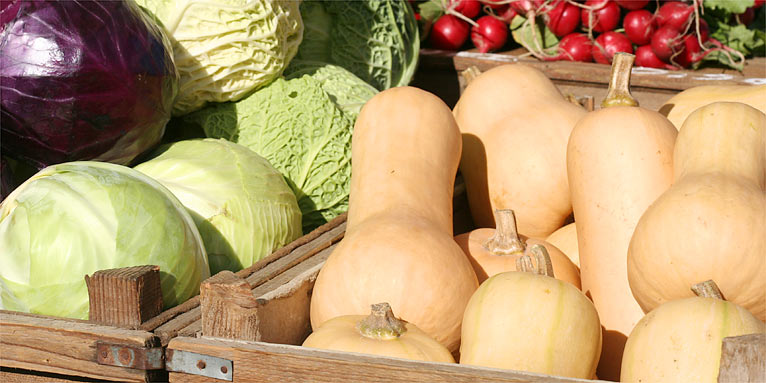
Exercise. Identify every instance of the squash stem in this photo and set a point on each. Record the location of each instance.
(707, 289)
(506, 239)
(381, 323)
(542, 258)
(619, 82)
(470, 74)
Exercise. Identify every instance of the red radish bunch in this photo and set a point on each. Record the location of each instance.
(667, 34)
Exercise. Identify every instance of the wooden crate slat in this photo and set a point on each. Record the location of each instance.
(268, 362)
(169, 315)
(753, 74)
(275, 311)
(67, 347)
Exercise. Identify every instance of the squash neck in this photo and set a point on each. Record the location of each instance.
(505, 241)
(381, 324)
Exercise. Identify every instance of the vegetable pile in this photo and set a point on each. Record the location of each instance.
(606, 242)
(669, 34)
(256, 145)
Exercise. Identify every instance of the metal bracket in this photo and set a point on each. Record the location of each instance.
(198, 364)
(138, 358)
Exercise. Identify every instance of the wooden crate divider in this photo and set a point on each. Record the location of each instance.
(108, 347)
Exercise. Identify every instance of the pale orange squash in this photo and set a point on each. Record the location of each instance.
(522, 320)
(680, 341)
(398, 246)
(493, 251)
(619, 160)
(711, 224)
(515, 125)
(678, 107)
(379, 333)
(565, 239)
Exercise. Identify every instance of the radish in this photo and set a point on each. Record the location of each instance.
(645, 57)
(523, 7)
(468, 8)
(609, 43)
(639, 26)
(606, 15)
(494, 4)
(666, 42)
(448, 33)
(758, 3)
(690, 53)
(490, 34)
(676, 14)
(573, 47)
(704, 30)
(632, 5)
(561, 17)
(506, 13)
(745, 18)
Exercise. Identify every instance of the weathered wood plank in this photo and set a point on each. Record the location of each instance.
(124, 297)
(743, 359)
(167, 316)
(14, 375)
(267, 362)
(754, 72)
(173, 327)
(66, 347)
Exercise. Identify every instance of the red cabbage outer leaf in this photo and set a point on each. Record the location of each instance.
(6, 179)
(83, 80)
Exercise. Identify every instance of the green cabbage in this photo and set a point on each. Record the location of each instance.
(225, 49)
(242, 205)
(298, 128)
(347, 90)
(76, 218)
(377, 40)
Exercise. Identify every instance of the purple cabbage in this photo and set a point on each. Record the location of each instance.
(82, 80)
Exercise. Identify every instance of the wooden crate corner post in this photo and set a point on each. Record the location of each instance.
(125, 297)
(743, 359)
(229, 308)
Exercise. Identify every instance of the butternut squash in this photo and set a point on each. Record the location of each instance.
(380, 333)
(398, 246)
(493, 251)
(565, 239)
(678, 107)
(515, 125)
(527, 320)
(711, 224)
(619, 160)
(680, 341)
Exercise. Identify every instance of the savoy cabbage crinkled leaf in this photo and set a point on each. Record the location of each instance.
(347, 90)
(298, 128)
(227, 48)
(377, 40)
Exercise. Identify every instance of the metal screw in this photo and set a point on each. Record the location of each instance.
(201, 364)
(103, 354)
(224, 369)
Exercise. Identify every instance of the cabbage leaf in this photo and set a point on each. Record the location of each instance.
(298, 128)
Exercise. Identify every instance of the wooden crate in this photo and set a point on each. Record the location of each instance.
(252, 323)
(114, 345)
(651, 87)
(439, 72)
